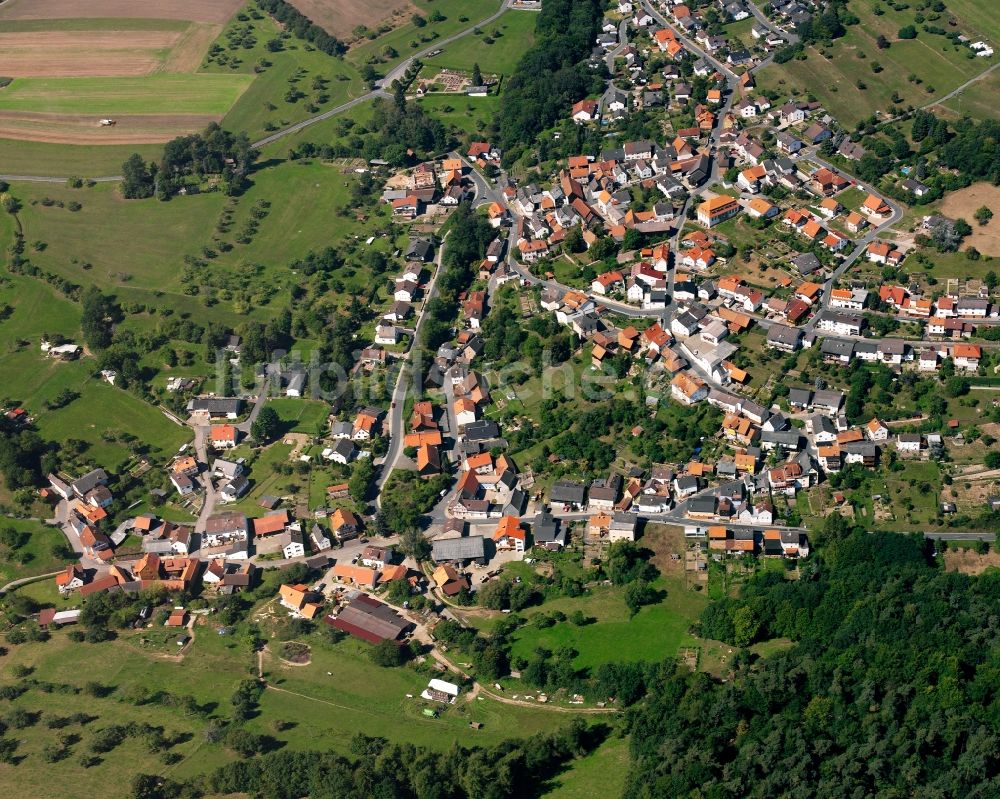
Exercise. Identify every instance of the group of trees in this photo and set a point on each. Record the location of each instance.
(395, 128)
(406, 497)
(214, 151)
(377, 768)
(888, 690)
(24, 455)
(302, 27)
(468, 237)
(100, 313)
(552, 74)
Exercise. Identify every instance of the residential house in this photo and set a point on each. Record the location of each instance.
(510, 535)
(717, 209)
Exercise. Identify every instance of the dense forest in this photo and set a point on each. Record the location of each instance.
(553, 74)
(890, 689)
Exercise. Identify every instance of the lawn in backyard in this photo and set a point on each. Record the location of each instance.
(833, 76)
(264, 477)
(741, 30)
(510, 36)
(301, 415)
(149, 94)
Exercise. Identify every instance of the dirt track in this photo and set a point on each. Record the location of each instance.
(218, 11)
(84, 129)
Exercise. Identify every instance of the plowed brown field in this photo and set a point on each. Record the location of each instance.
(73, 53)
(217, 11)
(84, 129)
(340, 17)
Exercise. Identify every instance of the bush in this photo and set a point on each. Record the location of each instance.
(388, 654)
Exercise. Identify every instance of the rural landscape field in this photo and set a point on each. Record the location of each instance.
(499, 399)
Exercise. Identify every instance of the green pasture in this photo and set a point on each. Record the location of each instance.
(107, 96)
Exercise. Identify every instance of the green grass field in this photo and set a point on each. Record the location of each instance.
(469, 115)
(327, 131)
(833, 77)
(655, 633)
(137, 247)
(600, 773)
(741, 31)
(511, 35)
(101, 413)
(263, 106)
(301, 415)
(338, 694)
(358, 696)
(978, 100)
(31, 379)
(62, 160)
(409, 39)
(149, 94)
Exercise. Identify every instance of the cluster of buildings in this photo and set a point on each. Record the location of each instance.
(429, 183)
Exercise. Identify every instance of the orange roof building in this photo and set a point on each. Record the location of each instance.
(717, 209)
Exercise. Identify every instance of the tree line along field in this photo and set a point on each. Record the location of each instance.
(832, 73)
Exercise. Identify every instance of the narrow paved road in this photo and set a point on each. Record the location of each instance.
(961, 88)
(396, 407)
(394, 74)
(50, 179)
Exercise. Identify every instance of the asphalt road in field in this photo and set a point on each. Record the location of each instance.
(394, 74)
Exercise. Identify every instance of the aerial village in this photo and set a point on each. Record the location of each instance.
(735, 243)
